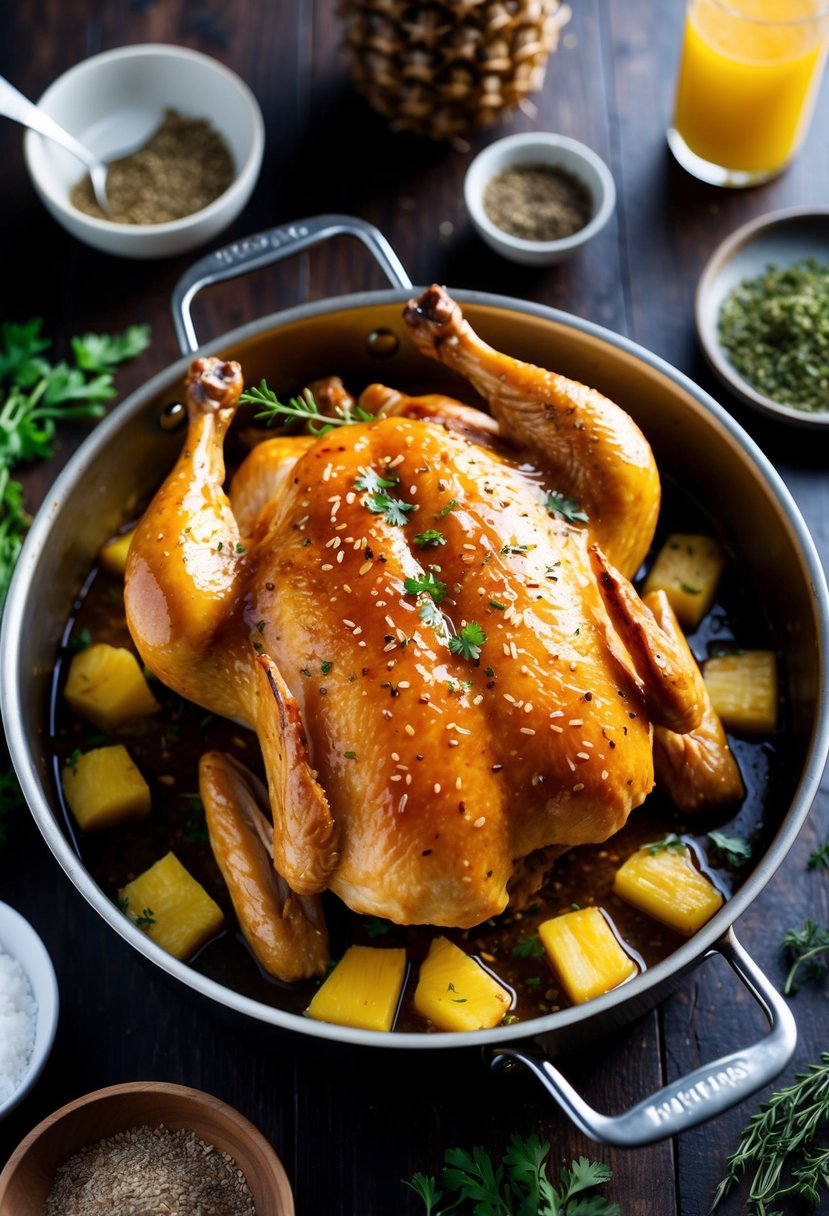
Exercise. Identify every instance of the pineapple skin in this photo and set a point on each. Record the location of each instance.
(449, 68)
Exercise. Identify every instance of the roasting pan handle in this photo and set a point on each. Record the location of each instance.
(256, 252)
(702, 1094)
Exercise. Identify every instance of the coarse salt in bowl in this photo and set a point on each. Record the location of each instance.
(118, 98)
(551, 151)
(28, 1007)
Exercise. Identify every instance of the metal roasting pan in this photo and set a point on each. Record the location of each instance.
(694, 440)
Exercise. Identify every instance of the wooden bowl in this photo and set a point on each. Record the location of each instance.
(27, 1179)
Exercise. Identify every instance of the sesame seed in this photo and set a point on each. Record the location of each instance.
(409, 729)
(402, 804)
(467, 878)
(364, 569)
(350, 496)
(395, 756)
(436, 787)
(458, 783)
(605, 774)
(527, 730)
(509, 697)
(528, 708)
(326, 566)
(479, 822)
(558, 729)
(557, 713)
(341, 555)
(346, 589)
(356, 631)
(582, 755)
(397, 460)
(326, 473)
(477, 700)
(395, 777)
(571, 765)
(578, 786)
(404, 684)
(575, 722)
(513, 651)
(389, 646)
(333, 543)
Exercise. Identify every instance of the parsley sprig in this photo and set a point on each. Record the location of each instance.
(303, 408)
(733, 850)
(425, 584)
(566, 508)
(467, 642)
(395, 511)
(779, 1143)
(518, 1186)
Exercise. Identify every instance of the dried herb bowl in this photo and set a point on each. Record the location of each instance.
(116, 100)
(20, 942)
(548, 154)
(28, 1178)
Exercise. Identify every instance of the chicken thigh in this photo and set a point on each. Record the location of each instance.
(422, 618)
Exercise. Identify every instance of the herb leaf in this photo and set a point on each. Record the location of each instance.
(819, 858)
(804, 948)
(734, 850)
(370, 480)
(426, 583)
(431, 538)
(303, 407)
(103, 352)
(467, 642)
(393, 510)
(567, 508)
(670, 842)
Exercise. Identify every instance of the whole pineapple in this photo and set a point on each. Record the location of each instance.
(448, 67)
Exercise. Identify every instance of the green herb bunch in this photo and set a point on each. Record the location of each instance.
(518, 1186)
(36, 395)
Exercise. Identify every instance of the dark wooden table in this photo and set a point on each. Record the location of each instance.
(350, 1124)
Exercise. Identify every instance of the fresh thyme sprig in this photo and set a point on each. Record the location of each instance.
(807, 948)
(517, 1186)
(779, 1143)
(303, 408)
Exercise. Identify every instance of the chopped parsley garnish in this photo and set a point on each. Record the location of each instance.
(733, 850)
(670, 842)
(468, 641)
(350, 755)
(514, 549)
(497, 605)
(450, 506)
(325, 666)
(81, 640)
(528, 947)
(430, 538)
(393, 510)
(426, 584)
(372, 481)
(146, 919)
(567, 508)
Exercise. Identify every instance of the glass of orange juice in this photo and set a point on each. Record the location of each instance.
(748, 76)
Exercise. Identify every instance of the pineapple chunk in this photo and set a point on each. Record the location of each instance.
(363, 990)
(743, 690)
(667, 886)
(107, 686)
(103, 787)
(172, 907)
(586, 954)
(113, 554)
(687, 569)
(455, 993)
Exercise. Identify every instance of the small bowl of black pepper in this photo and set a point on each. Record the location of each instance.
(538, 198)
(141, 1147)
(195, 135)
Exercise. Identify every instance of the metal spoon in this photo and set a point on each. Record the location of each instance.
(17, 107)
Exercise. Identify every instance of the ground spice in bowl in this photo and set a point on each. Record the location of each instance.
(150, 1171)
(185, 165)
(537, 202)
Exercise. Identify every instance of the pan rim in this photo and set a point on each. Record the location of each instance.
(643, 987)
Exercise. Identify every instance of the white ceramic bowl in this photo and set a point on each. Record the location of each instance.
(18, 939)
(539, 148)
(115, 98)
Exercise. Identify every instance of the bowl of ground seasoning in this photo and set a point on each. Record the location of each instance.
(187, 136)
(762, 314)
(145, 1147)
(538, 198)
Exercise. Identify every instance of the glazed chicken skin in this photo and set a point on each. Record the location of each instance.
(450, 679)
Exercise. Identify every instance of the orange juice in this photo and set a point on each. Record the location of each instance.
(747, 79)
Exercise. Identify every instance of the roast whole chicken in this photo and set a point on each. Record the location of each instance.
(427, 619)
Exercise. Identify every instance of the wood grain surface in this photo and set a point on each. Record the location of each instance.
(350, 1123)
